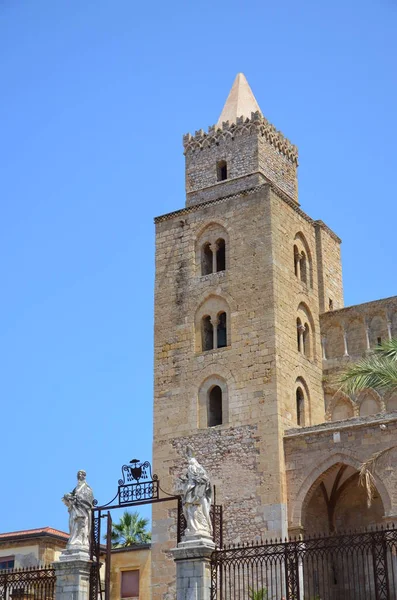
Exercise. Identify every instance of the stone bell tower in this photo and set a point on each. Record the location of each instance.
(242, 274)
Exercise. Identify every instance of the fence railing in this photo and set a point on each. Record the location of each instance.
(33, 583)
(351, 566)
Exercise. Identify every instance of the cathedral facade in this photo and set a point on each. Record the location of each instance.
(250, 330)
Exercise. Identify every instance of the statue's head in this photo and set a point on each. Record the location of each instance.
(189, 452)
(81, 475)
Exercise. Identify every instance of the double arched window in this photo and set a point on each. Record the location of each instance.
(302, 260)
(213, 261)
(211, 247)
(305, 332)
(213, 331)
(212, 324)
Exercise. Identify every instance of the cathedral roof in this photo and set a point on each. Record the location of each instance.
(240, 102)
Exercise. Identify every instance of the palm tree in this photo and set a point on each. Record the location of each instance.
(377, 371)
(131, 530)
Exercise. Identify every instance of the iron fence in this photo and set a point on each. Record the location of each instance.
(33, 583)
(350, 566)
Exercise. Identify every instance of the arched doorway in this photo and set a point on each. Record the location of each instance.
(336, 502)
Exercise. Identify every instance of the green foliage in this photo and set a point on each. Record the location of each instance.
(260, 594)
(377, 371)
(131, 530)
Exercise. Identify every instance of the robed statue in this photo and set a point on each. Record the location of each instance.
(79, 503)
(196, 491)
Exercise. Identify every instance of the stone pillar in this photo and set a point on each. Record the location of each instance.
(389, 332)
(323, 346)
(214, 248)
(367, 335)
(215, 323)
(345, 342)
(193, 568)
(72, 575)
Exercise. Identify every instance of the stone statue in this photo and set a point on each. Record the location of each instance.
(195, 488)
(79, 503)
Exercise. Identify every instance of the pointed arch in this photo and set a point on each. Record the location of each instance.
(369, 403)
(305, 258)
(320, 471)
(341, 407)
(212, 324)
(212, 248)
(213, 402)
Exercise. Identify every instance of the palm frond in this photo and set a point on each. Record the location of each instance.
(387, 349)
(367, 470)
(375, 371)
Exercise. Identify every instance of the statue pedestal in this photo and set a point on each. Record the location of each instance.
(193, 568)
(72, 571)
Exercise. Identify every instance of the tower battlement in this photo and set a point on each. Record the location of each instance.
(242, 151)
(257, 124)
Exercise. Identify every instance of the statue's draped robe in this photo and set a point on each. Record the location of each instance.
(80, 505)
(196, 499)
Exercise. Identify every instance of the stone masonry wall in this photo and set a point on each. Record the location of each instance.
(246, 365)
(330, 287)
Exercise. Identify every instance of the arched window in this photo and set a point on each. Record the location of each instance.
(220, 255)
(211, 246)
(221, 330)
(303, 267)
(221, 170)
(213, 402)
(206, 259)
(215, 406)
(300, 406)
(207, 333)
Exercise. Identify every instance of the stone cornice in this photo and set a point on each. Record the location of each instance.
(333, 426)
(282, 195)
(256, 124)
(359, 308)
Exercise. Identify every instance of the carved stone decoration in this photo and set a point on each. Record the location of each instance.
(79, 503)
(196, 491)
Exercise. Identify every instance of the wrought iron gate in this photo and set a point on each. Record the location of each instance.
(350, 566)
(137, 486)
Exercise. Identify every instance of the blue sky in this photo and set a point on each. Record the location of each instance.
(95, 98)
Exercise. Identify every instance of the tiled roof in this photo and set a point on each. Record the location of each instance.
(34, 532)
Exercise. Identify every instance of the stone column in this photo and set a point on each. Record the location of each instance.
(72, 575)
(215, 322)
(193, 568)
(214, 248)
(389, 332)
(367, 335)
(323, 345)
(345, 342)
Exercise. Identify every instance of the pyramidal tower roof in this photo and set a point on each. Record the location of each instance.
(240, 102)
